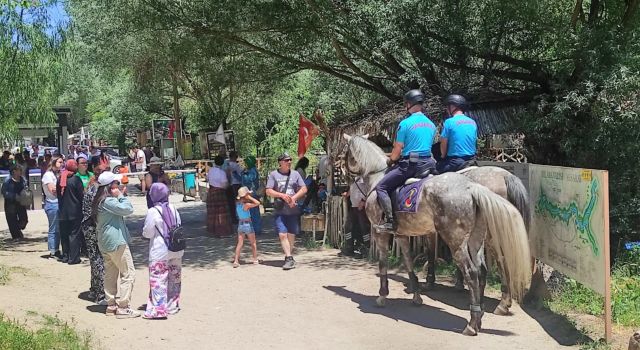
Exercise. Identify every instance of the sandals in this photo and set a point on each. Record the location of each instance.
(235, 264)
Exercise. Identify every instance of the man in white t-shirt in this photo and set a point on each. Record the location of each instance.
(141, 165)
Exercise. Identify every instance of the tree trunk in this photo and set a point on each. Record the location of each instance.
(176, 116)
(629, 14)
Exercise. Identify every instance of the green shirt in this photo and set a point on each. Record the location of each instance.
(110, 226)
(85, 178)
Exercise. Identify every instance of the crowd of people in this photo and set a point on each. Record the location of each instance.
(85, 204)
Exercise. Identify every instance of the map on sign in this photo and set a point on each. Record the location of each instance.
(568, 224)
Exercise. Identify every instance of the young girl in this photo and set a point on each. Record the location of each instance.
(244, 204)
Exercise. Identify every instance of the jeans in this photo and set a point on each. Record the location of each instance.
(451, 164)
(51, 209)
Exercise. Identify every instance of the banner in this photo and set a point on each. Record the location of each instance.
(307, 131)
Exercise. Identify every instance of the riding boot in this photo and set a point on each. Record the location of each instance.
(387, 208)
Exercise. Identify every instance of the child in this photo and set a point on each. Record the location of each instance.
(244, 204)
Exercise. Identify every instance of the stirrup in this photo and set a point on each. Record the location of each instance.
(385, 226)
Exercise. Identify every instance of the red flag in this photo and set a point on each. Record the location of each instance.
(307, 131)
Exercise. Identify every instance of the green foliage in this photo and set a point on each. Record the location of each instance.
(625, 294)
(30, 64)
(53, 335)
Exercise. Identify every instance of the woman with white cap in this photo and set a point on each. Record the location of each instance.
(110, 206)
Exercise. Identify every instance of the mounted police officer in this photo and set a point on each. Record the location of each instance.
(459, 136)
(412, 151)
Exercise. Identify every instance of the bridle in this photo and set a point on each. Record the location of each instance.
(344, 154)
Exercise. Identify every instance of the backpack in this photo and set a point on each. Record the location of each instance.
(175, 241)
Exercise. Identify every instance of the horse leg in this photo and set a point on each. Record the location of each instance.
(382, 242)
(431, 265)
(405, 247)
(471, 274)
(482, 281)
(505, 301)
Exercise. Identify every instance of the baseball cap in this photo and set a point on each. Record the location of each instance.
(284, 156)
(107, 177)
(243, 191)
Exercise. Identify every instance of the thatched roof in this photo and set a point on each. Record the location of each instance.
(381, 120)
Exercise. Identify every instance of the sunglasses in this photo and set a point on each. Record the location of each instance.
(287, 160)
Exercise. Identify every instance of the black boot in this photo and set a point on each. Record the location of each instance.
(387, 208)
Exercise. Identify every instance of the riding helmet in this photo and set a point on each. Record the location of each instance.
(414, 97)
(457, 100)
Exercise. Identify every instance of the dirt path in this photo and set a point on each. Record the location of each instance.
(326, 303)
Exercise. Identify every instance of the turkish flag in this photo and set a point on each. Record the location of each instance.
(307, 131)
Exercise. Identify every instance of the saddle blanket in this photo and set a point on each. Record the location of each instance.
(408, 196)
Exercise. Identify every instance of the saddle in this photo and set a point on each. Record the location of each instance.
(406, 198)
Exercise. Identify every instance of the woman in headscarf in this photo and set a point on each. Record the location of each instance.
(70, 193)
(165, 266)
(251, 180)
(88, 229)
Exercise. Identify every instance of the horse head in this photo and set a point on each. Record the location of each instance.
(361, 157)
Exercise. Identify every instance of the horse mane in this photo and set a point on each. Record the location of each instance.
(369, 156)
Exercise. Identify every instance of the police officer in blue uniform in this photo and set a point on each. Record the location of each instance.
(459, 136)
(411, 150)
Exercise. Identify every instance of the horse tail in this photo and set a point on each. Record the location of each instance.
(508, 237)
(518, 196)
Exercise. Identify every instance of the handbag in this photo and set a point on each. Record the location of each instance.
(279, 203)
(176, 241)
(25, 197)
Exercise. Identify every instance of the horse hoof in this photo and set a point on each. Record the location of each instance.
(417, 300)
(430, 286)
(380, 301)
(501, 311)
(469, 331)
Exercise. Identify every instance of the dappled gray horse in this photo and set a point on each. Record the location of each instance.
(508, 186)
(464, 213)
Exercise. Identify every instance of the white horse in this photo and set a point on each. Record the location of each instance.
(464, 213)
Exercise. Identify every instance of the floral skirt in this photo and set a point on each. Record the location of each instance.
(164, 288)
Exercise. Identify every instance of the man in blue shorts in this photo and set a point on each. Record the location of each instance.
(459, 136)
(286, 186)
(412, 151)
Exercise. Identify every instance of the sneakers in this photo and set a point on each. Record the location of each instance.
(289, 263)
(126, 313)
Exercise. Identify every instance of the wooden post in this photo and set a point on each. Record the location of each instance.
(607, 257)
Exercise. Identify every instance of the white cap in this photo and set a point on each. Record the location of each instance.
(107, 177)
